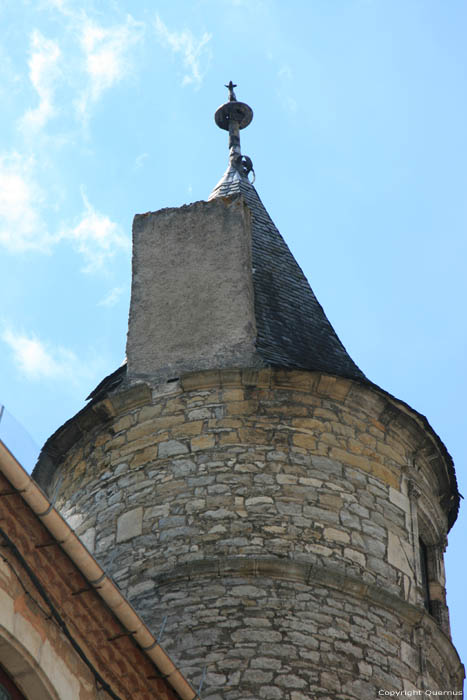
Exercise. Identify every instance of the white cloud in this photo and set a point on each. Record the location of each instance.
(96, 237)
(112, 297)
(37, 360)
(106, 56)
(57, 5)
(139, 160)
(43, 73)
(194, 52)
(103, 58)
(21, 225)
(284, 72)
(285, 79)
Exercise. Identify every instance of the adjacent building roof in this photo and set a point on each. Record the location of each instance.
(71, 589)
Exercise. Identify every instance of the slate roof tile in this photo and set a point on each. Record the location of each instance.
(292, 328)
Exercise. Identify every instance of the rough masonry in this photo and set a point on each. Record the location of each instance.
(273, 517)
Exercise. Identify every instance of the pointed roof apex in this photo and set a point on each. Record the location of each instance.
(292, 328)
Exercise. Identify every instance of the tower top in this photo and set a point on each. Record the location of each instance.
(292, 329)
(233, 116)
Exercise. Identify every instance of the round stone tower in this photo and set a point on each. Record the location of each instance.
(275, 516)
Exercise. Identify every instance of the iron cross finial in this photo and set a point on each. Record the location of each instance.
(231, 86)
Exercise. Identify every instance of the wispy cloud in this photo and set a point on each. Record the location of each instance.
(96, 237)
(195, 53)
(96, 57)
(21, 225)
(43, 73)
(106, 56)
(38, 360)
(112, 297)
(139, 160)
(285, 81)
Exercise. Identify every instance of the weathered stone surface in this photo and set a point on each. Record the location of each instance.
(130, 524)
(271, 559)
(88, 538)
(188, 309)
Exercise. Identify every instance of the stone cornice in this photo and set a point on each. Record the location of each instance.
(364, 398)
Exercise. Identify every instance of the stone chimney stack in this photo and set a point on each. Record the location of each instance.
(192, 305)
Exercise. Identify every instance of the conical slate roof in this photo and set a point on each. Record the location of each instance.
(292, 328)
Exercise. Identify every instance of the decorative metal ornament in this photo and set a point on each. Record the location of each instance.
(233, 116)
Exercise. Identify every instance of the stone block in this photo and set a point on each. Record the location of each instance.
(130, 524)
(123, 423)
(336, 535)
(320, 515)
(88, 538)
(290, 680)
(303, 440)
(242, 408)
(346, 457)
(155, 512)
(233, 394)
(183, 467)
(400, 556)
(258, 500)
(266, 662)
(257, 676)
(374, 547)
(229, 438)
(286, 479)
(349, 520)
(334, 386)
(253, 435)
(203, 442)
(219, 514)
(399, 499)
(187, 429)
(172, 448)
(355, 556)
(149, 454)
(269, 692)
(327, 466)
(173, 405)
(389, 476)
(330, 500)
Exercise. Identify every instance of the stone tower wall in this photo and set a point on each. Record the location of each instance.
(273, 517)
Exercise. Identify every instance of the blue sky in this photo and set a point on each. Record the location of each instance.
(359, 146)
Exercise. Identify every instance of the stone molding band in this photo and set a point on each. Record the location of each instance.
(312, 575)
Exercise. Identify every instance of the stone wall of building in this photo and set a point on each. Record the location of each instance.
(273, 518)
